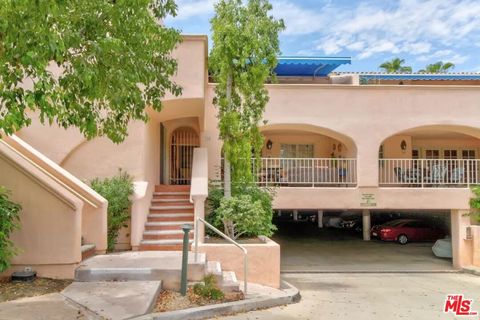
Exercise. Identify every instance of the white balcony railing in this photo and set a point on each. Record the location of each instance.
(429, 173)
(301, 172)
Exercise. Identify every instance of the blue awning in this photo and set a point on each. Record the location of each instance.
(420, 76)
(309, 66)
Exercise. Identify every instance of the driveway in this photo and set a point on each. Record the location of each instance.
(372, 297)
(304, 248)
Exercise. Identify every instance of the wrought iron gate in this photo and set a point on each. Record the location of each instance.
(184, 140)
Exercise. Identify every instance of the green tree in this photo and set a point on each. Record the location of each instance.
(395, 66)
(243, 57)
(113, 56)
(438, 67)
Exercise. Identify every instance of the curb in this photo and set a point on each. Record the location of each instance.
(370, 271)
(290, 295)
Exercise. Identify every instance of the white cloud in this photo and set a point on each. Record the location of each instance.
(414, 27)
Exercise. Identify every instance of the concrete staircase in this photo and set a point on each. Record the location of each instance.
(170, 208)
(154, 266)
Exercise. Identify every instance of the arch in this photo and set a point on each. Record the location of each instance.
(437, 128)
(347, 141)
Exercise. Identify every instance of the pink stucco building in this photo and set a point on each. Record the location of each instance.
(349, 141)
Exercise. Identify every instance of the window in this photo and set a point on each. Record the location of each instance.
(381, 153)
(450, 154)
(432, 154)
(415, 154)
(468, 154)
(296, 150)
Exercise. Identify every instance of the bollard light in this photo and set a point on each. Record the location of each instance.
(186, 239)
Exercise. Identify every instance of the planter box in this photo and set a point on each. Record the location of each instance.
(263, 260)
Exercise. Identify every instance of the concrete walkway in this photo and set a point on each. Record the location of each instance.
(87, 300)
(372, 297)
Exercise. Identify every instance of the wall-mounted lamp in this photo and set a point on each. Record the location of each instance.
(334, 147)
(403, 145)
(339, 147)
(269, 144)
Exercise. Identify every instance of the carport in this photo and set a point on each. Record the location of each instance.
(316, 242)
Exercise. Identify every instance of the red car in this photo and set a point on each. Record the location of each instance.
(405, 230)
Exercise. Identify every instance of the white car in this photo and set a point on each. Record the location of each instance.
(443, 248)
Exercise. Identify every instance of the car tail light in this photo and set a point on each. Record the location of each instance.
(386, 230)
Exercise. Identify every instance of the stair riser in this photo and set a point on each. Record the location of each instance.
(167, 204)
(165, 188)
(157, 247)
(172, 196)
(169, 219)
(160, 211)
(164, 236)
(164, 228)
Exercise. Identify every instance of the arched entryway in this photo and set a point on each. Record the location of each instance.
(182, 143)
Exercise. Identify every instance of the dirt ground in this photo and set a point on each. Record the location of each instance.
(40, 286)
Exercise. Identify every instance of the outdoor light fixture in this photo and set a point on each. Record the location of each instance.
(269, 144)
(339, 147)
(403, 145)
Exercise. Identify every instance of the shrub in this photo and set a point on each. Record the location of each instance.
(9, 221)
(248, 213)
(475, 203)
(208, 289)
(117, 190)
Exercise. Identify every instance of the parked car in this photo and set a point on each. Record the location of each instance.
(443, 248)
(353, 224)
(406, 230)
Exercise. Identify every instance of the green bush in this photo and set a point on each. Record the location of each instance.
(117, 190)
(208, 289)
(9, 221)
(475, 203)
(248, 213)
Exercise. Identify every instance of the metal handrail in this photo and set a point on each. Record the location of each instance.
(220, 233)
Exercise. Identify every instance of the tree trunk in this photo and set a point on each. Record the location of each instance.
(227, 182)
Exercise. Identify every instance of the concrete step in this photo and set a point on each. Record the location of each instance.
(170, 217)
(88, 250)
(229, 282)
(162, 266)
(164, 234)
(215, 268)
(167, 225)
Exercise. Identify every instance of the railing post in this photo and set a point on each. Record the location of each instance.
(422, 171)
(468, 173)
(313, 173)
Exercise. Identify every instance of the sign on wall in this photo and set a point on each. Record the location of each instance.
(368, 200)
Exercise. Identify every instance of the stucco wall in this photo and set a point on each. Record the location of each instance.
(51, 218)
(263, 261)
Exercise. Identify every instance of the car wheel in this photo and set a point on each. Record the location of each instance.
(402, 239)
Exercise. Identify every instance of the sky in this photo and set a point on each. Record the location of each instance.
(368, 31)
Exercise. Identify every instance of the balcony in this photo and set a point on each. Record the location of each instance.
(306, 172)
(429, 173)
